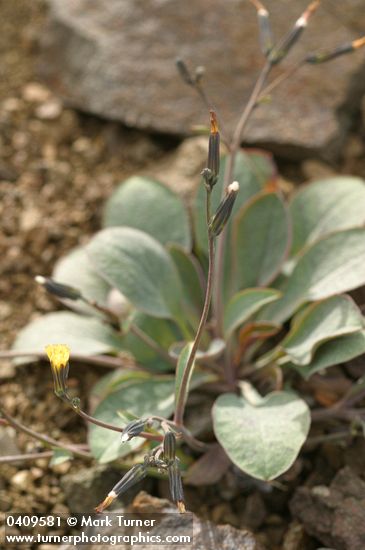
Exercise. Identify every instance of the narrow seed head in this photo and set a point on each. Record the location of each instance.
(58, 355)
(280, 51)
(184, 72)
(323, 57)
(213, 122)
(211, 172)
(313, 7)
(135, 474)
(359, 43)
(265, 33)
(58, 289)
(181, 506)
(258, 5)
(133, 428)
(175, 484)
(169, 446)
(199, 73)
(224, 210)
(106, 502)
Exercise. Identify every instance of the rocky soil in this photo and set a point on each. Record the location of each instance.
(57, 165)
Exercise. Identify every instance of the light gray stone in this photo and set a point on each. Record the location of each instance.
(206, 535)
(115, 58)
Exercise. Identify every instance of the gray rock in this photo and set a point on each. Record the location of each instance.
(206, 535)
(335, 514)
(115, 58)
(85, 489)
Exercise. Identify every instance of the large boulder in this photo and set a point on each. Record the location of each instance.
(115, 58)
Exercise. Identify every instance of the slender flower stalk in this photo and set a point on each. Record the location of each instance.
(47, 440)
(180, 405)
(24, 457)
(213, 169)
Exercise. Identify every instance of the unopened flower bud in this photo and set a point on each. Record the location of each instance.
(224, 210)
(282, 49)
(133, 476)
(133, 429)
(184, 72)
(58, 355)
(322, 57)
(266, 40)
(199, 73)
(175, 484)
(169, 446)
(58, 289)
(213, 152)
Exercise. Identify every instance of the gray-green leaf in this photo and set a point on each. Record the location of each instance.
(76, 270)
(143, 399)
(262, 439)
(84, 335)
(330, 266)
(244, 304)
(60, 456)
(260, 241)
(332, 353)
(325, 206)
(319, 322)
(152, 207)
(139, 267)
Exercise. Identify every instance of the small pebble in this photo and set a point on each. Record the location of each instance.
(22, 480)
(49, 110)
(35, 92)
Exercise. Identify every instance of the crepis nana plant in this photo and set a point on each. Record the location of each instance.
(237, 296)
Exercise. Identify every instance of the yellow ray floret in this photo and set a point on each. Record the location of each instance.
(58, 354)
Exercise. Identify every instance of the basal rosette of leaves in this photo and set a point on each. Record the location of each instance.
(287, 265)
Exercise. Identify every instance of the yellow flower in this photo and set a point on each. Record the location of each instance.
(58, 355)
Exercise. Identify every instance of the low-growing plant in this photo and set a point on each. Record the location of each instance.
(229, 301)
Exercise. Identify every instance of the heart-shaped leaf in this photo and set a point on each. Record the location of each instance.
(332, 353)
(84, 335)
(244, 304)
(262, 438)
(152, 207)
(76, 270)
(330, 266)
(143, 398)
(138, 266)
(319, 322)
(252, 170)
(325, 206)
(260, 240)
